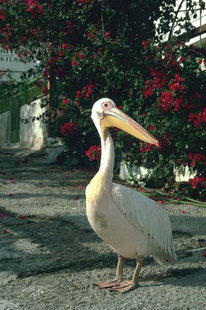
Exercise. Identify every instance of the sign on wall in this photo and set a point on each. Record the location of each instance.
(11, 66)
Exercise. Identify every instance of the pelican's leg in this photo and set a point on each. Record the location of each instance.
(119, 276)
(127, 286)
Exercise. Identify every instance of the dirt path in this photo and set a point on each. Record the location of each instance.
(49, 256)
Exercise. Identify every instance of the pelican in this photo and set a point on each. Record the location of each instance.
(132, 224)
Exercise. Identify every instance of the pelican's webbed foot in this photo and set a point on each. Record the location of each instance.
(109, 283)
(124, 287)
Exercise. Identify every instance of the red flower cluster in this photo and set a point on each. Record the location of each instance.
(145, 44)
(75, 60)
(65, 46)
(175, 84)
(6, 32)
(45, 90)
(84, 1)
(195, 99)
(168, 101)
(34, 7)
(92, 35)
(94, 152)
(166, 140)
(146, 148)
(107, 34)
(196, 181)
(158, 82)
(80, 55)
(195, 157)
(170, 58)
(68, 128)
(86, 92)
(2, 14)
(50, 62)
(70, 26)
(66, 101)
(198, 118)
(151, 127)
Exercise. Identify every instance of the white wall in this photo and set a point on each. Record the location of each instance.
(136, 173)
(4, 128)
(198, 21)
(32, 134)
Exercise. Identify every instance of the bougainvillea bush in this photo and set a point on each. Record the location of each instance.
(174, 109)
(89, 49)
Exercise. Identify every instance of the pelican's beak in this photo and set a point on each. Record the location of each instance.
(116, 118)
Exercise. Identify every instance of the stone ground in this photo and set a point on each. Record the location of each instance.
(50, 257)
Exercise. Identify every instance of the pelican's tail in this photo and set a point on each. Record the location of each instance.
(165, 258)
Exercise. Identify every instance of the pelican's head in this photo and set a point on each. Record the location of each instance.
(105, 114)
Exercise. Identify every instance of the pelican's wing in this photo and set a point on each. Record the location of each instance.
(144, 212)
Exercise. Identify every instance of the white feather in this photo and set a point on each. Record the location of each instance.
(146, 213)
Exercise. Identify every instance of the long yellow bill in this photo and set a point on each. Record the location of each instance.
(116, 118)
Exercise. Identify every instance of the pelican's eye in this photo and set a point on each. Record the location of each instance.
(107, 105)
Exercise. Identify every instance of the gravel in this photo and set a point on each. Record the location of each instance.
(50, 257)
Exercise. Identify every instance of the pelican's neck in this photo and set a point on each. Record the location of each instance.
(107, 156)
